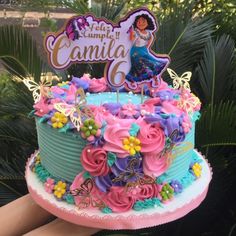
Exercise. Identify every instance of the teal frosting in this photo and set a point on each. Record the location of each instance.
(196, 116)
(111, 97)
(147, 204)
(42, 173)
(31, 114)
(134, 129)
(86, 175)
(70, 199)
(187, 180)
(64, 129)
(111, 158)
(106, 210)
(60, 152)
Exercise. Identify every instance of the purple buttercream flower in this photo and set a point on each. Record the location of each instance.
(103, 182)
(173, 128)
(112, 107)
(166, 95)
(154, 118)
(79, 83)
(127, 169)
(177, 186)
(98, 141)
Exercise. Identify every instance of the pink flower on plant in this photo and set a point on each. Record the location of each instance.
(41, 107)
(49, 185)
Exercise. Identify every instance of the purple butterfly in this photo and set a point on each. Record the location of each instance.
(71, 30)
(74, 26)
(82, 22)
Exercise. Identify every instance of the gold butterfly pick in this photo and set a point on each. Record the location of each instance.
(79, 107)
(182, 81)
(41, 89)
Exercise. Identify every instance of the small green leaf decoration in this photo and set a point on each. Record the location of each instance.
(134, 129)
(42, 119)
(31, 114)
(86, 175)
(111, 158)
(64, 129)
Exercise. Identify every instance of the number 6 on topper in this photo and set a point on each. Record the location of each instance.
(125, 47)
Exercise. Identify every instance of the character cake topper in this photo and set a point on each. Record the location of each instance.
(125, 47)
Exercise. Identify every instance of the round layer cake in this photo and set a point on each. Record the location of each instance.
(112, 151)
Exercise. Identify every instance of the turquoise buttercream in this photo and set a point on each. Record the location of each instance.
(111, 158)
(134, 129)
(196, 116)
(70, 199)
(31, 114)
(64, 129)
(60, 152)
(86, 175)
(147, 204)
(180, 164)
(106, 210)
(187, 180)
(42, 173)
(161, 179)
(111, 97)
(43, 119)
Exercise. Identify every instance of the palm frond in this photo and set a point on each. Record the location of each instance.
(18, 52)
(217, 126)
(215, 70)
(184, 43)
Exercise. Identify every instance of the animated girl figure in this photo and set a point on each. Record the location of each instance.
(144, 66)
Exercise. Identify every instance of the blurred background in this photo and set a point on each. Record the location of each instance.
(199, 35)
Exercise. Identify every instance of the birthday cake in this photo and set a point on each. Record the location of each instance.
(115, 155)
(121, 144)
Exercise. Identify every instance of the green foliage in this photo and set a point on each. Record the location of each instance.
(18, 52)
(216, 71)
(217, 126)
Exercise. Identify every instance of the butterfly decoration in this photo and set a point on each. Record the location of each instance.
(130, 173)
(74, 26)
(182, 81)
(167, 151)
(87, 199)
(77, 110)
(71, 31)
(43, 88)
(188, 103)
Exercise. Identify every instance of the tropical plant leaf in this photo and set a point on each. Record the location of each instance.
(215, 71)
(217, 126)
(18, 52)
(183, 42)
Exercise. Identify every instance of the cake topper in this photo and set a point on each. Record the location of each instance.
(125, 47)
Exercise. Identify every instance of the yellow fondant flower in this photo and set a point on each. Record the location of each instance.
(59, 189)
(197, 169)
(132, 145)
(58, 120)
